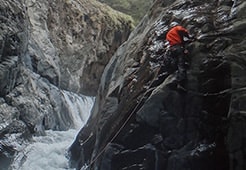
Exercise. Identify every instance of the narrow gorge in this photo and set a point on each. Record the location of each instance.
(52, 55)
(61, 59)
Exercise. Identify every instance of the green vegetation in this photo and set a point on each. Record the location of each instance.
(135, 8)
(115, 18)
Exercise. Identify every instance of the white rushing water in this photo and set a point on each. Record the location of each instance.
(49, 152)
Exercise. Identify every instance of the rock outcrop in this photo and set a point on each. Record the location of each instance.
(51, 51)
(141, 120)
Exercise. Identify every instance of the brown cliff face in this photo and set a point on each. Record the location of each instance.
(142, 121)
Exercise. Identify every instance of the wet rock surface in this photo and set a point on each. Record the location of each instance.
(141, 120)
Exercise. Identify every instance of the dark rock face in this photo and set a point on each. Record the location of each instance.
(142, 121)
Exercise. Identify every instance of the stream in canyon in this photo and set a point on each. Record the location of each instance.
(48, 152)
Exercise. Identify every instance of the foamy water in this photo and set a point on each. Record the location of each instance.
(49, 152)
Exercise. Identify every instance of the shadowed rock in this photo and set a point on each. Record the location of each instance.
(141, 120)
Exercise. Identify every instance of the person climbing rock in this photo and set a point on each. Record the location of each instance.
(177, 37)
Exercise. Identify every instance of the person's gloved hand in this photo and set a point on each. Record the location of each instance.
(186, 51)
(192, 38)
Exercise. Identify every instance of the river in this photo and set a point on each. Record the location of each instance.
(48, 152)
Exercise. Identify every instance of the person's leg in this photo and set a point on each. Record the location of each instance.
(181, 76)
(178, 61)
(181, 68)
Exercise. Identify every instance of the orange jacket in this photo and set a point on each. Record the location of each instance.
(176, 34)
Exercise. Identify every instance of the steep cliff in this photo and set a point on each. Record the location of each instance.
(47, 47)
(141, 120)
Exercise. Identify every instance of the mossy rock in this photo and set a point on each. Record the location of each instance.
(131, 7)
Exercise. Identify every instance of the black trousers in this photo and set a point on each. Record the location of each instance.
(178, 55)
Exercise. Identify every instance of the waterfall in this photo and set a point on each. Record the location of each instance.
(48, 152)
(79, 107)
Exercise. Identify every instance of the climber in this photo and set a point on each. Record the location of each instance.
(178, 37)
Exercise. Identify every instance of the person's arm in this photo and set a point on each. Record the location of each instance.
(183, 32)
(184, 35)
